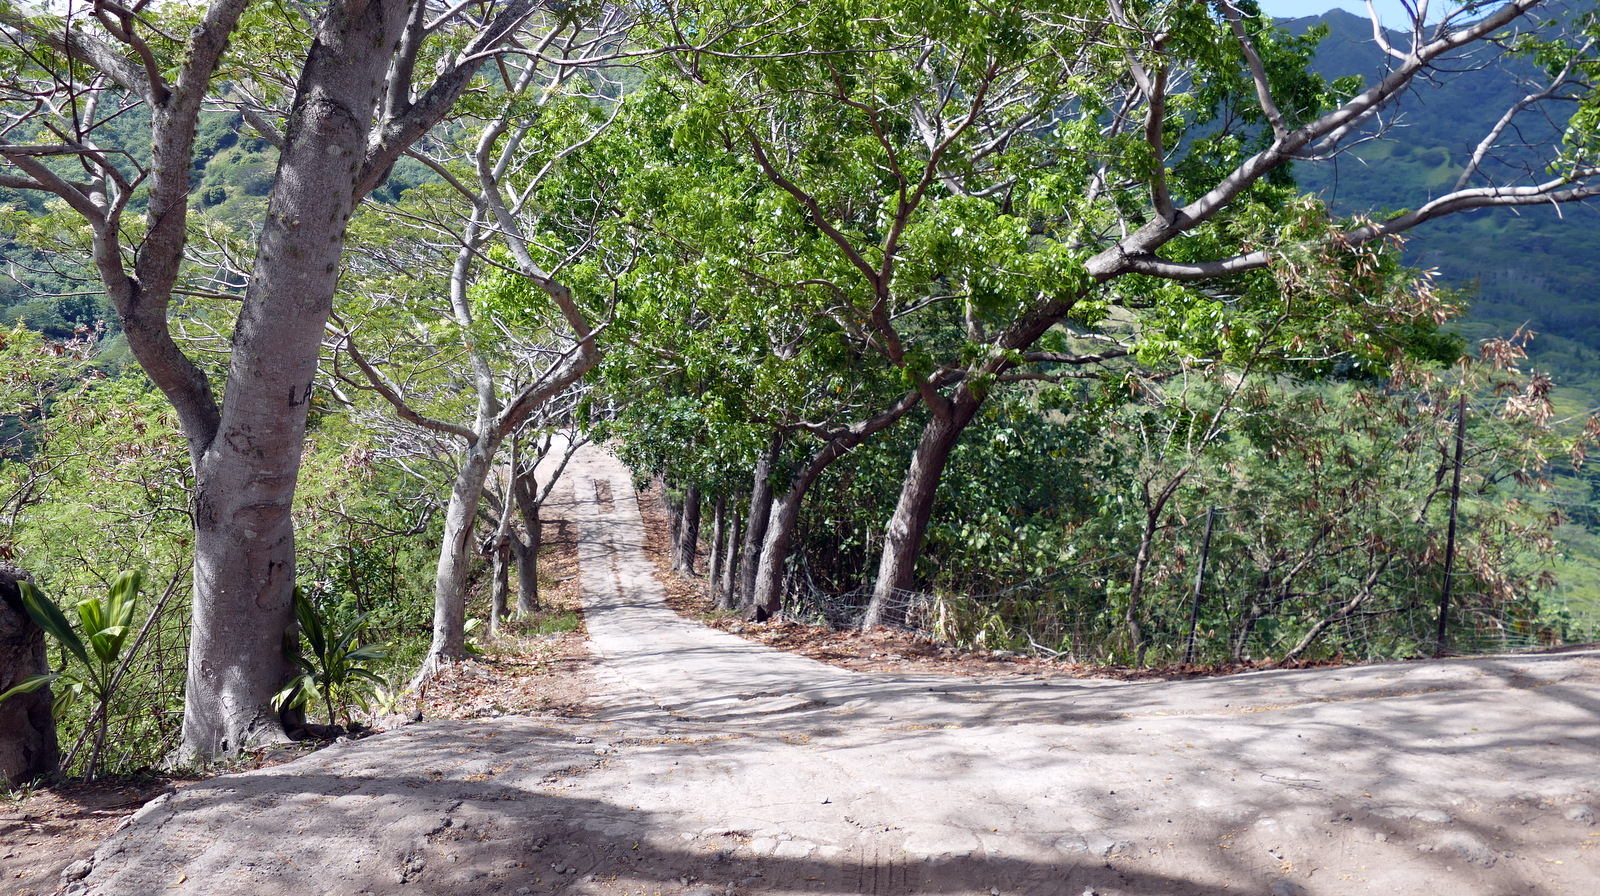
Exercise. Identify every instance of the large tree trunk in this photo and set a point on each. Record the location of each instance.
(686, 543)
(902, 541)
(245, 472)
(246, 450)
(455, 560)
(756, 530)
(28, 747)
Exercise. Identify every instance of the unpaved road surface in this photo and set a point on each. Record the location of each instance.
(721, 767)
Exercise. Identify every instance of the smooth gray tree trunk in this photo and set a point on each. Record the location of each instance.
(767, 599)
(500, 550)
(902, 541)
(719, 525)
(727, 596)
(245, 472)
(500, 586)
(455, 560)
(245, 445)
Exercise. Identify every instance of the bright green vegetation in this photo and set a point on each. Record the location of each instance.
(1291, 428)
(1537, 270)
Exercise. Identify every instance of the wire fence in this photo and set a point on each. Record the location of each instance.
(1348, 608)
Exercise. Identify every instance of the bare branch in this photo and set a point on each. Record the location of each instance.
(377, 381)
(79, 46)
(1258, 73)
(393, 136)
(1563, 190)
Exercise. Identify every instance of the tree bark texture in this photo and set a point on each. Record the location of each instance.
(686, 540)
(500, 591)
(455, 560)
(727, 597)
(719, 525)
(28, 747)
(527, 550)
(500, 588)
(767, 599)
(902, 541)
(756, 528)
(244, 441)
(245, 475)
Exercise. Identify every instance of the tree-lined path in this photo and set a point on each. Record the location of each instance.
(718, 766)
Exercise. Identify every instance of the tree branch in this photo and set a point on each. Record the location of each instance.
(393, 136)
(1258, 72)
(381, 384)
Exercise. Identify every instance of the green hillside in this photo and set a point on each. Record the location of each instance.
(1539, 268)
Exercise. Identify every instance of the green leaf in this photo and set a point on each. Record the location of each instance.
(49, 617)
(66, 698)
(29, 685)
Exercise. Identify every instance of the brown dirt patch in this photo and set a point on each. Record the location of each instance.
(43, 832)
(523, 671)
(526, 671)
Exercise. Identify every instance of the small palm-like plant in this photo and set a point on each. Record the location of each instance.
(328, 664)
(96, 643)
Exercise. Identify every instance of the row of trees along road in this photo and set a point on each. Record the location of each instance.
(344, 90)
(814, 220)
(916, 203)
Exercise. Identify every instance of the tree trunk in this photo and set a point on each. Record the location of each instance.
(767, 598)
(245, 474)
(674, 508)
(528, 561)
(727, 597)
(686, 543)
(902, 541)
(756, 532)
(28, 747)
(500, 587)
(246, 450)
(1141, 565)
(500, 549)
(455, 560)
(719, 521)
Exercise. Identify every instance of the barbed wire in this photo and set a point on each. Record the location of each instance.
(1077, 614)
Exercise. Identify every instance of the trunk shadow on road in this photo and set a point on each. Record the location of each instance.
(494, 807)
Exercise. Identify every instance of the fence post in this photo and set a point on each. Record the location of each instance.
(1440, 644)
(1199, 582)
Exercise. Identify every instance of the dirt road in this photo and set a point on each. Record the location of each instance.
(721, 767)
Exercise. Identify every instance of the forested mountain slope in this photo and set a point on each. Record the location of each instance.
(1539, 267)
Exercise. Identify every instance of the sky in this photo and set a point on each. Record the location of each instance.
(1389, 10)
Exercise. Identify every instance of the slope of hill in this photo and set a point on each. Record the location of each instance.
(1538, 267)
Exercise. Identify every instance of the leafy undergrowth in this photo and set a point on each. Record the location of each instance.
(883, 649)
(535, 666)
